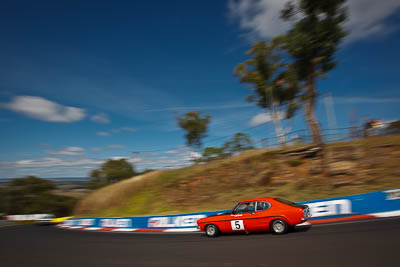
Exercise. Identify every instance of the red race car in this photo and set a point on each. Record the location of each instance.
(255, 215)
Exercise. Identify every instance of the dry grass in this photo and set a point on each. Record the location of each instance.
(219, 184)
(116, 194)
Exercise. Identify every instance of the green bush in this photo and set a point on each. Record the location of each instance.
(32, 195)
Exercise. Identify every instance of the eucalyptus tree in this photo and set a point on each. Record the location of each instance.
(195, 126)
(269, 76)
(316, 32)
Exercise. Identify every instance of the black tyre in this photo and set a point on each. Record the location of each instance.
(212, 230)
(279, 227)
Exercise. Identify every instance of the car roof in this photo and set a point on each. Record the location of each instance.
(257, 199)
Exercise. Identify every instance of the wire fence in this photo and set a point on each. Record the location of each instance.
(305, 137)
(184, 156)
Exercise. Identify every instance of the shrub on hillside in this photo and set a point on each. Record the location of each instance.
(110, 172)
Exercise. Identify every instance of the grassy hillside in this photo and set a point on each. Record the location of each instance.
(292, 172)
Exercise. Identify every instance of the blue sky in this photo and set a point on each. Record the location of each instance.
(83, 81)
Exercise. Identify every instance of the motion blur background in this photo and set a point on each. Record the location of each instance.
(95, 92)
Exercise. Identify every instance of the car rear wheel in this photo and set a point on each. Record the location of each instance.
(279, 227)
(212, 230)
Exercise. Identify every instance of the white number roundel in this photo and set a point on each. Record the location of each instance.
(237, 225)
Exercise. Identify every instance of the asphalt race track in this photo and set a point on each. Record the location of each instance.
(364, 243)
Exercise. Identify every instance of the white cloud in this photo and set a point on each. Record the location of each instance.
(262, 118)
(100, 118)
(171, 152)
(117, 158)
(367, 18)
(103, 133)
(43, 109)
(68, 151)
(49, 162)
(260, 18)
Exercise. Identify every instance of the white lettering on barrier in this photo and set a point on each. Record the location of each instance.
(392, 194)
(69, 222)
(115, 223)
(86, 222)
(175, 221)
(330, 208)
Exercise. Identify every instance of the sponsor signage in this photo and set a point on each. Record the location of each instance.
(392, 194)
(115, 223)
(382, 201)
(174, 221)
(28, 217)
(330, 208)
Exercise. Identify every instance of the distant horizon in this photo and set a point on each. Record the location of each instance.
(49, 178)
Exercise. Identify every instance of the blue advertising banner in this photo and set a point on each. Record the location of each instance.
(340, 207)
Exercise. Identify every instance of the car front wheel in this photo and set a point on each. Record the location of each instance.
(279, 227)
(212, 230)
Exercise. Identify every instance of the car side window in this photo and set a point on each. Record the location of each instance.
(245, 207)
(262, 205)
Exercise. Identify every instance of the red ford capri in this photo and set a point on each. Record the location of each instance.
(256, 215)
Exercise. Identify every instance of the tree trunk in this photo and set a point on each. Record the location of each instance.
(309, 111)
(280, 133)
(311, 120)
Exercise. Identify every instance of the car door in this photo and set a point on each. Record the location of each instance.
(261, 217)
(241, 217)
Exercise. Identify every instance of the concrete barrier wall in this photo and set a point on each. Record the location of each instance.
(27, 217)
(369, 205)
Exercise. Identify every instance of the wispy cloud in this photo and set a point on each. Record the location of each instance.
(100, 118)
(118, 130)
(107, 147)
(366, 100)
(172, 152)
(115, 146)
(179, 157)
(68, 151)
(49, 162)
(44, 144)
(103, 133)
(128, 129)
(262, 118)
(205, 107)
(43, 109)
(259, 19)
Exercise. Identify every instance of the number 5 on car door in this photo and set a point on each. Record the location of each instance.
(237, 225)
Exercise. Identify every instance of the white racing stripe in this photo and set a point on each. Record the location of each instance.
(387, 214)
(182, 230)
(92, 228)
(124, 230)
